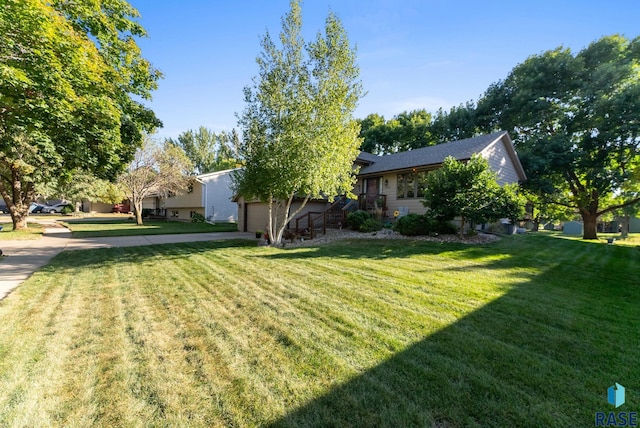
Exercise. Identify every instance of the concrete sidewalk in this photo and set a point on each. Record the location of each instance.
(25, 257)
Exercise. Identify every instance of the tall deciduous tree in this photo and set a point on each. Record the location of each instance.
(157, 171)
(69, 72)
(575, 120)
(299, 137)
(470, 191)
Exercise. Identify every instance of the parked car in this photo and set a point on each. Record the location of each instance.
(121, 208)
(57, 208)
(37, 208)
(3, 208)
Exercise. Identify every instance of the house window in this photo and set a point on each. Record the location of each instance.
(421, 184)
(411, 185)
(174, 213)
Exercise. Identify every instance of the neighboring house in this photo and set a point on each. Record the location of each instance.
(209, 195)
(395, 182)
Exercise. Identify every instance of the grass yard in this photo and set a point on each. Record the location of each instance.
(88, 228)
(529, 331)
(33, 231)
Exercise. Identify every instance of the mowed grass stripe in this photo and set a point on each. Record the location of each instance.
(184, 331)
(256, 311)
(42, 347)
(197, 319)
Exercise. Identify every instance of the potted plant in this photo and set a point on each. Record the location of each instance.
(259, 234)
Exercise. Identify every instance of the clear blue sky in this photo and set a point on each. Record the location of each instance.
(412, 53)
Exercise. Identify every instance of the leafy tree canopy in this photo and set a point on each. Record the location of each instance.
(209, 151)
(405, 131)
(69, 76)
(457, 124)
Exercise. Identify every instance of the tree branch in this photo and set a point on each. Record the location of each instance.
(623, 205)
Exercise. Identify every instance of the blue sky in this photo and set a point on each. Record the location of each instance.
(412, 54)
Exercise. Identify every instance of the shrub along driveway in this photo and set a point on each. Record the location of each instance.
(528, 331)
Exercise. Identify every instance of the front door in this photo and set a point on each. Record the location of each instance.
(373, 190)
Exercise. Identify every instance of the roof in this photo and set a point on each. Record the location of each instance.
(434, 155)
(367, 158)
(211, 174)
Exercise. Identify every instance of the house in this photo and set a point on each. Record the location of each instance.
(209, 195)
(395, 182)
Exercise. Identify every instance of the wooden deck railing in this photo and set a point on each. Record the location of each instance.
(313, 222)
(374, 204)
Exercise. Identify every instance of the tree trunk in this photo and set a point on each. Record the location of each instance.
(624, 233)
(536, 224)
(137, 208)
(590, 221)
(19, 219)
(18, 198)
(589, 215)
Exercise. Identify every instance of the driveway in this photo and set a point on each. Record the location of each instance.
(25, 257)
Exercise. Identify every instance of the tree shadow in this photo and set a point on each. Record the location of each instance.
(542, 354)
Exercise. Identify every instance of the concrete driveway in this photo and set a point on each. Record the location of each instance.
(23, 258)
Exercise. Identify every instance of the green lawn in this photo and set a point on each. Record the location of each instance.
(88, 228)
(529, 331)
(33, 231)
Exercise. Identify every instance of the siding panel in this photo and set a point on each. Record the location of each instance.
(500, 161)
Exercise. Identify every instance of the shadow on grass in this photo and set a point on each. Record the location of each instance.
(543, 354)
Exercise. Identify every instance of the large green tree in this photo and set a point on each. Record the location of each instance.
(575, 120)
(70, 75)
(470, 190)
(299, 137)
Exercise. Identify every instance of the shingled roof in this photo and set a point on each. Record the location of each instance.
(428, 156)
